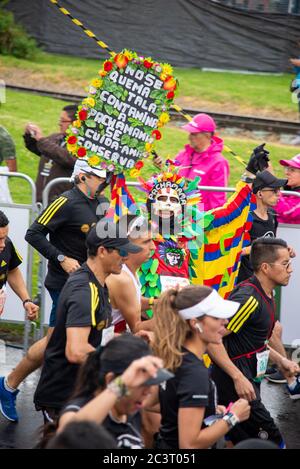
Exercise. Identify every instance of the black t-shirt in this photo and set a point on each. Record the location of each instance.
(67, 220)
(250, 327)
(9, 260)
(83, 302)
(191, 387)
(260, 229)
(127, 434)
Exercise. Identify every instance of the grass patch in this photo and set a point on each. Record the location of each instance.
(233, 91)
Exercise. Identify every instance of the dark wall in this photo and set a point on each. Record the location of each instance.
(186, 33)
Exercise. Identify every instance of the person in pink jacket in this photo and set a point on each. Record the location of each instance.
(203, 157)
(288, 207)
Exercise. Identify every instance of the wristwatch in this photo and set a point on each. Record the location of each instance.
(61, 257)
(118, 388)
(28, 300)
(231, 419)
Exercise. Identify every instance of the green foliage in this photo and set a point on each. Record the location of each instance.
(13, 38)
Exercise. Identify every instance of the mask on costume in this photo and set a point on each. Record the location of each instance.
(167, 203)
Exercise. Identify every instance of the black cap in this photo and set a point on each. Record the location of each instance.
(109, 235)
(266, 179)
(162, 375)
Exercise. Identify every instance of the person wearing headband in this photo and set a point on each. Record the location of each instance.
(186, 322)
(112, 387)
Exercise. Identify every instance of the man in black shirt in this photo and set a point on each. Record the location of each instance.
(240, 362)
(67, 221)
(10, 273)
(266, 187)
(83, 313)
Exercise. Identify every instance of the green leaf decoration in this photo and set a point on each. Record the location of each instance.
(143, 290)
(125, 140)
(149, 277)
(99, 105)
(193, 185)
(152, 283)
(154, 266)
(149, 313)
(90, 123)
(108, 109)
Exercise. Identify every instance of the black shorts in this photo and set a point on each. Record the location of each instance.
(260, 423)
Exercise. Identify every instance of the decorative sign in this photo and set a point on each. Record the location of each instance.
(119, 121)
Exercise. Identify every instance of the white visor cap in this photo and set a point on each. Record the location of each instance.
(213, 305)
(82, 166)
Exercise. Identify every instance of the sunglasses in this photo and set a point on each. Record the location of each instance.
(121, 252)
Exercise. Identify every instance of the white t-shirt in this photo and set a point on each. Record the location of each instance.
(116, 313)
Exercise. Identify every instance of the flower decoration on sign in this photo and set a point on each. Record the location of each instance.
(120, 120)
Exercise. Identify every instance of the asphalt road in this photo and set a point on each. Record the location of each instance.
(25, 433)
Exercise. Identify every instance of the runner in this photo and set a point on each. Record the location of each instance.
(124, 381)
(10, 273)
(125, 289)
(67, 221)
(186, 322)
(83, 313)
(241, 362)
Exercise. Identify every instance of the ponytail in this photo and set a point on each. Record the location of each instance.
(89, 377)
(170, 330)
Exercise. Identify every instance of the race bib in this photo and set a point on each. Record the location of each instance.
(262, 363)
(107, 335)
(2, 299)
(168, 281)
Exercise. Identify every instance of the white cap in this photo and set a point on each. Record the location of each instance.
(82, 166)
(213, 305)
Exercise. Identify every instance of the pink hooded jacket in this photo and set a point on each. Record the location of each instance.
(211, 166)
(288, 209)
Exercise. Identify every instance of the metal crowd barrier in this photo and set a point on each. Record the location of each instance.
(33, 210)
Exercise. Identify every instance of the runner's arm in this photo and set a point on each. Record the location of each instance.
(77, 346)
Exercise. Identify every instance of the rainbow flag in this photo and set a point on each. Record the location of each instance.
(217, 262)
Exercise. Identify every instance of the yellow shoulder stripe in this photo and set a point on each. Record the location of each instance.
(242, 312)
(18, 254)
(238, 326)
(51, 210)
(94, 302)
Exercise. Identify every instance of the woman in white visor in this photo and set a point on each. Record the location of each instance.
(186, 321)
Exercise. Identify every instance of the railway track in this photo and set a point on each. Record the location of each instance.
(252, 123)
